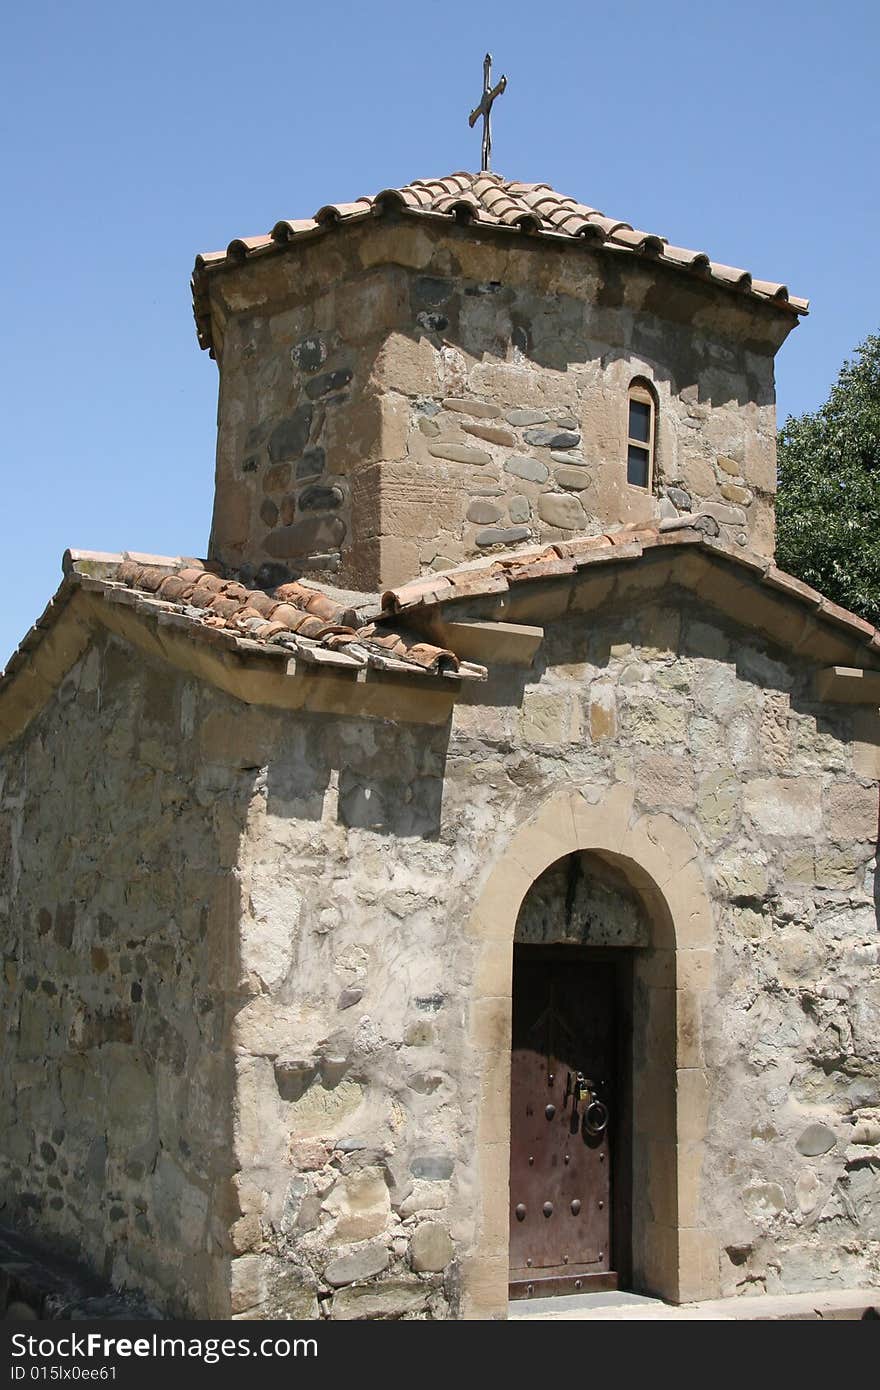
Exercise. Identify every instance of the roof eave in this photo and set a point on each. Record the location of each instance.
(287, 236)
(521, 587)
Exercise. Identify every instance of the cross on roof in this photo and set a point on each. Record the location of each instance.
(485, 108)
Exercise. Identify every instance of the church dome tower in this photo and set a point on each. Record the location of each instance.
(413, 379)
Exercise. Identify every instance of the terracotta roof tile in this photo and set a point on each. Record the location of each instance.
(320, 629)
(285, 231)
(489, 200)
(339, 212)
(298, 618)
(680, 255)
(639, 241)
(504, 570)
(732, 275)
(241, 246)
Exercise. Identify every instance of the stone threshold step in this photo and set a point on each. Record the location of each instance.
(833, 1304)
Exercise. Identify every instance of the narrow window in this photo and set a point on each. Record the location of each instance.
(640, 438)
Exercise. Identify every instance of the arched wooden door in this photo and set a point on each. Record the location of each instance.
(568, 1123)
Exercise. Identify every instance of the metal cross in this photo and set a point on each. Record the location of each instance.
(485, 108)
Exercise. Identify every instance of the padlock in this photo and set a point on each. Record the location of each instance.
(584, 1088)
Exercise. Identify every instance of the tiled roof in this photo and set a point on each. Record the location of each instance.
(495, 574)
(488, 200)
(320, 628)
(291, 620)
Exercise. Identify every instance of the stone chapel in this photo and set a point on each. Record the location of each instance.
(460, 885)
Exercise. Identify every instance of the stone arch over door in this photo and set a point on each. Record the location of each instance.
(679, 1258)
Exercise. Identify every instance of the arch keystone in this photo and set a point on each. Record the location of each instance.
(603, 824)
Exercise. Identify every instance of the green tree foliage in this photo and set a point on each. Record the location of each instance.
(828, 505)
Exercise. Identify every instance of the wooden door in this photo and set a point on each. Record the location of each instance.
(563, 1084)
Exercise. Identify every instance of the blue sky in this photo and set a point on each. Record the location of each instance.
(134, 136)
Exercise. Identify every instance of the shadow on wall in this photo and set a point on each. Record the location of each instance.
(655, 666)
(117, 1138)
(36, 1283)
(675, 622)
(384, 777)
(557, 332)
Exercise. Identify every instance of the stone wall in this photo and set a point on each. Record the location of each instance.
(118, 837)
(361, 1050)
(412, 397)
(335, 1173)
(298, 417)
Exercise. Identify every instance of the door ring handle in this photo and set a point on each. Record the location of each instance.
(596, 1117)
